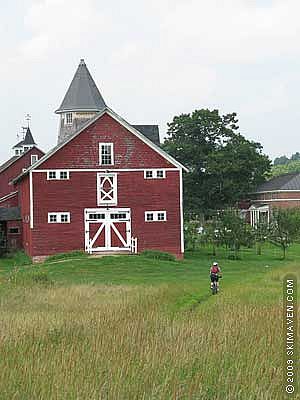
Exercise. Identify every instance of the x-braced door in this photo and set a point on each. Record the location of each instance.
(107, 229)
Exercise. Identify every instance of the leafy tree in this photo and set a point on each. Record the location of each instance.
(223, 165)
(261, 233)
(291, 167)
(234, 231)
(191, 234)
(212, 233)
(281, 160)
(295, 156)
(285, 227)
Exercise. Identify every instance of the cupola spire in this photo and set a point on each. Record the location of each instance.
(81, 102)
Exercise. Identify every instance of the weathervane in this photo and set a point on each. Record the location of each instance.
(28, 118)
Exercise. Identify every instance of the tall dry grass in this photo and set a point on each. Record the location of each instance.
(118, 342)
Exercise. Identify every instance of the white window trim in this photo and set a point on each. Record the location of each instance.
(114, 200)
(112, 153)
(57, 175)
(58, 217)
(154, 173)
(34, 156)
(155, 216)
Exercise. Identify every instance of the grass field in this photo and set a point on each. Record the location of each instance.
(135, 328)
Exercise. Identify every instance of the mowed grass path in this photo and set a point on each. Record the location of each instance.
(136, 328)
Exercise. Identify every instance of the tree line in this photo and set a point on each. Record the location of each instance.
(228, 228)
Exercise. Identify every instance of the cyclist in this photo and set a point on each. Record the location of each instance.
(215, 273)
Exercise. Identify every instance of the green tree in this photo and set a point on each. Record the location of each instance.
(281, 160)
(223, 165)
(261, 234)
(234, 231)
(285, 227)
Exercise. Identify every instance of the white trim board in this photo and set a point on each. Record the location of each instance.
(8, 196)
(106, 170)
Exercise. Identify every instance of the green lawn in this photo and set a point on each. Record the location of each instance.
(130, 327)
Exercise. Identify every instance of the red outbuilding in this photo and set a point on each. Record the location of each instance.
(106, 187)
(26, 154)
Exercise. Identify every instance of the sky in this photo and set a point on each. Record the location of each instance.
(153, 60)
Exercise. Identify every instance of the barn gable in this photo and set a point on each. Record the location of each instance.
(131, 148)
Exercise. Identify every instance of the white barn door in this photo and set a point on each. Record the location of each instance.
(107, 229)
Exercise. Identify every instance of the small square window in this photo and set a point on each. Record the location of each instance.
(148, 174)
(160, 174)
(52, 218)
(161, 216)
(64, 218)
(149, 217)
(52, 175)
(64, 175)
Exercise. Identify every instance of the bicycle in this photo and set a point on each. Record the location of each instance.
(214, 286)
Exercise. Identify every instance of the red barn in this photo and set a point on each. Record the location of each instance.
(25, 154)
(106, 187)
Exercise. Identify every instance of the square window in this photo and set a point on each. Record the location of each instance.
(161, 216)
(149, 216)
(64, 175)
(148, 174)
(52, 218)
(52, 175)
(64, 218)
(160, 174)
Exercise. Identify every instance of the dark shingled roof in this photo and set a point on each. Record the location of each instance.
(10, 214)
(150, 131)
(8, 163)
(83, 93)
(283, 182)
(28, 140)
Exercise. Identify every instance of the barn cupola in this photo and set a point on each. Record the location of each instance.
(25, 144)
(81, 102)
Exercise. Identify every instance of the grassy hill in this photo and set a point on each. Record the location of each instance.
(136, 328)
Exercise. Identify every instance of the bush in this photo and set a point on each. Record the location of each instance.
(29, 278)
(62, 256)
(158, 255)
(18, 258)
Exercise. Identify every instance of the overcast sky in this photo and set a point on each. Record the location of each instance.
(152, 60)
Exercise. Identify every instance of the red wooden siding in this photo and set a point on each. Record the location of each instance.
(83, 151)
(14, 240)
(16, 169)
(12, 201)
(80, 192)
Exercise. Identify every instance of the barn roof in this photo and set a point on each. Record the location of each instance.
(114, 115)
(8, 163)
(284, 182)
(13, 159)
(10, 214)
(150, 131)
(83, 94)
(28, 140)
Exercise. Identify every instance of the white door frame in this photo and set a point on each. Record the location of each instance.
(107, 224)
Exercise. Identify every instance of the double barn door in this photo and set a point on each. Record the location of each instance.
(107, 229)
